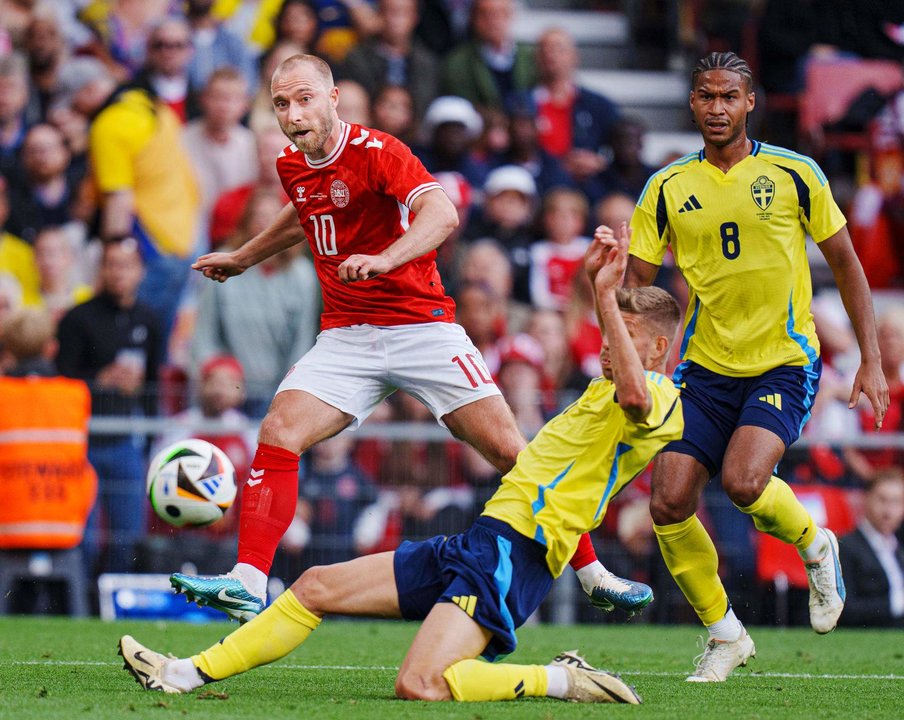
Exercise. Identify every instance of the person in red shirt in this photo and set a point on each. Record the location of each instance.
(373, 217)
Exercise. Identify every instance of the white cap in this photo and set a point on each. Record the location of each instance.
(510, 177)
(451, 108)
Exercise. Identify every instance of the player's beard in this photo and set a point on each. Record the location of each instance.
(312, 143)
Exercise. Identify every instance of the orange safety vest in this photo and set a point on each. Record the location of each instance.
(47, 485)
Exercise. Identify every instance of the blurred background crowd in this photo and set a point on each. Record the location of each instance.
(137, 134)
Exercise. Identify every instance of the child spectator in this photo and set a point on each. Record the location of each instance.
(555, 261)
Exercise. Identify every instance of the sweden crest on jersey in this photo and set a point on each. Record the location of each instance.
(763, 192)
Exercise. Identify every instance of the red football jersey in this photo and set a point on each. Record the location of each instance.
(357, 200)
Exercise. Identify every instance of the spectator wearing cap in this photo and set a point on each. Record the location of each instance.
(269, 319)
(575, 124)
(15, 116)
(555, 260)
(507, 216)
(48, 189)
(222, 150)
(490, 68)
(395, 57)
(524, 150)
(215, 46)
(450, 130)
(112, 342)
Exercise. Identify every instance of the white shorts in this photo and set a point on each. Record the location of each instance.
(355, 368)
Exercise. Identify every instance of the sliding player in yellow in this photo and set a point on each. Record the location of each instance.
(474, 589)
(736, 215)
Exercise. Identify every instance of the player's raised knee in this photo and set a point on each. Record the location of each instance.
(668, 509)
(312, 590)
(743, 486)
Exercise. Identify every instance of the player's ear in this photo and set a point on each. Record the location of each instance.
(662, 346)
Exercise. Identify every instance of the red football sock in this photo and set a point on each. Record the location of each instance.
(584, 555)
(268, 505)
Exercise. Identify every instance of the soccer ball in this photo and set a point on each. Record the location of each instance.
(191, 483)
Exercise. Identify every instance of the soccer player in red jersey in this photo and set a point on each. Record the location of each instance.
(373, 217)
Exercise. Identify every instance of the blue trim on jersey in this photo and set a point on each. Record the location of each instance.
(812, 376)
(791, 155)
(689, 330)
(797, 337)
(503, 579)
(803, 190)
(756, 147)
(620, 450)
(537, 505)
(690, 157)
(678, 373)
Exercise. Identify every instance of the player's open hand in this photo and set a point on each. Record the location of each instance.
(608, 254)
(870, 381)
(362, 267)
(219, 266)
(595, 257)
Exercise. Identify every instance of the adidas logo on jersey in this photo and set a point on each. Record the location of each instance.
(692, 203)
(774, 399)
(466, 603)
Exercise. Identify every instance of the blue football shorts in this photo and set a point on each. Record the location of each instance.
(714, 406)
(494, 574)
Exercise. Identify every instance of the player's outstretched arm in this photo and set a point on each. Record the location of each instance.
(854, 289)
(282, 233)
(605, 263)
(435, 218)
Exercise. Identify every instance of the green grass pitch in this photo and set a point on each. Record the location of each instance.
(60, 668)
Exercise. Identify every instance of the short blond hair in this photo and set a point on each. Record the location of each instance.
(654, 305)
(27, 332)
(320, 67)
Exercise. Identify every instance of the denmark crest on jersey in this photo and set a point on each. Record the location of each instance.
(763, 192)
(339, 193)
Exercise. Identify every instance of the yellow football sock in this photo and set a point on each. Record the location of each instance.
(780, 514)
(692, 560)
(276, 632)
(475, 680)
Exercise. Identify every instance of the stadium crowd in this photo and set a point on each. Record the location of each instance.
(138, 135)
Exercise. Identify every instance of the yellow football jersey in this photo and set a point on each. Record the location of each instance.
(739, 239)
(564, 479)
(135, 145)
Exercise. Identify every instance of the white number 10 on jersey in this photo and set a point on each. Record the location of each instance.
(325, 234)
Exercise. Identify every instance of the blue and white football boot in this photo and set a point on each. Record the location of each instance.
(611, 591)
(225, 593)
